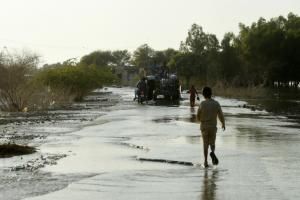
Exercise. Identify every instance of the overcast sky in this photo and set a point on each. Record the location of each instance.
(62, 29)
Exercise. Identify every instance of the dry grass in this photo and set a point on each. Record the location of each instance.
(237, 92)
(245, 92)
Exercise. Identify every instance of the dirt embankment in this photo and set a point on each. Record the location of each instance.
(22, 133)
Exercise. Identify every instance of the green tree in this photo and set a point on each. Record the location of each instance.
(202, 49)
(121, 57)
(196, 41)
(143, 56)
(162, 58)
(183, 63)
(98, 58)
(270, 50)
(231, 72)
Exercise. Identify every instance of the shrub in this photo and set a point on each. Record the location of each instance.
(76, 81)
(16, 88)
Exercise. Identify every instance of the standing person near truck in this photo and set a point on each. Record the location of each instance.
(193, 94)
(142, 90)
(208, 112)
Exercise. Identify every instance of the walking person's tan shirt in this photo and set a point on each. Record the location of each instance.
(207, 114)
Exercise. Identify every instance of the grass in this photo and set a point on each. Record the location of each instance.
(10, 150)
(239, 92)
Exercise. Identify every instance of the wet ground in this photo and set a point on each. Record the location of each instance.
(149, 151)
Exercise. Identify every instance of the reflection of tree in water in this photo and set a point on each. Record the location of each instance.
(209, 187)
(193, 117)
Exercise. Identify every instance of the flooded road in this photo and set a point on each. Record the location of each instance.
(123, 155)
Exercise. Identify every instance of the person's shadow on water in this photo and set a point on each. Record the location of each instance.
(209, 187)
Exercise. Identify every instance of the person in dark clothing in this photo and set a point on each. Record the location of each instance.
(193, 94)
(142, 88)
(142, 85)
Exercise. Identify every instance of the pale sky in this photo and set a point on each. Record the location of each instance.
(62, 29)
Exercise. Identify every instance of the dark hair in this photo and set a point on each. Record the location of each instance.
(206, 92)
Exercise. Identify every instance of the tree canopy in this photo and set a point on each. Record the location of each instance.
(266, 53)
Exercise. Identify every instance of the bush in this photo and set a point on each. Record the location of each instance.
(24, 87)
(75, 81)
(16, 87)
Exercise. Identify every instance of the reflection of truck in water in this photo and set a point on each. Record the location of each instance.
(166, 87)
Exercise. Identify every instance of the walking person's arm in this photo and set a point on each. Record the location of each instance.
(197, 95)
(199, 113)
(221, 117)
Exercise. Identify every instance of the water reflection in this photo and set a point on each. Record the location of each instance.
(209, 186)
(163, 120)
(196, 139)
(193, 118)
(193, 110)
(163, 102)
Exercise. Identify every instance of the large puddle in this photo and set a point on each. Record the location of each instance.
(154, 152)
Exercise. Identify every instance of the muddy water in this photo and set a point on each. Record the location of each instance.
(154, 152)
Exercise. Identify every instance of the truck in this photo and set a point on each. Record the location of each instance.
(163, 87)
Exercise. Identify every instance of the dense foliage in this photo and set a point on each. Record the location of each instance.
(76, 80)
(25, 87)
(16, 86)
(106, 58)
(267, 53)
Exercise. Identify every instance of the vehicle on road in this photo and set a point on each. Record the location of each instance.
(157, 87)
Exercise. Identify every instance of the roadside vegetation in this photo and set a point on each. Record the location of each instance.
(16, 85)
(74, 82)
(262, 55)
(25, 87)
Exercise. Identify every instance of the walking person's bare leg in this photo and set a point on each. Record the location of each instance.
(205, 149)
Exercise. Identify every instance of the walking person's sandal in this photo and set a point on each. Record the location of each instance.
(214, 158)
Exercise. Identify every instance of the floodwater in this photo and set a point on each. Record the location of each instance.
(154, 152)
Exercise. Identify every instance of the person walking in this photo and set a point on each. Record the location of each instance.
(208, 112)
(193, 94)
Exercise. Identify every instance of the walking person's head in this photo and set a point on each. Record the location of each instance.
(206, 92)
